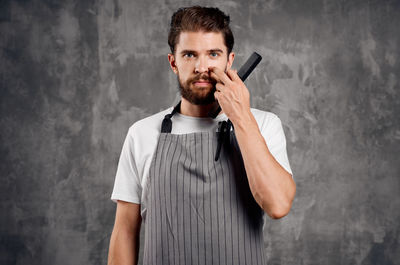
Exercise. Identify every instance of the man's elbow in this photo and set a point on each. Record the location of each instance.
(278, 214)
(282, 209)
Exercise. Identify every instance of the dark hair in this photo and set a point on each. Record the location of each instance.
(197, 18)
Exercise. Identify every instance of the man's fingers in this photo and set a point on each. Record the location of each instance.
(216, 77)
(220, 75)
(232, 74)
(217, 94)
(219, 87)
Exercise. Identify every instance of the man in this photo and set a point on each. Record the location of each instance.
(202, 194)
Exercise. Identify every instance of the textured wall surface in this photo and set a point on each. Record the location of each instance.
(74, 75)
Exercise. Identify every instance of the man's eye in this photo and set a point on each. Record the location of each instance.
(214, 54)
(188, 55)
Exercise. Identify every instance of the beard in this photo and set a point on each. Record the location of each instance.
(197, 96)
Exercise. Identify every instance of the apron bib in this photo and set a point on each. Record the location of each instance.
(200, 211)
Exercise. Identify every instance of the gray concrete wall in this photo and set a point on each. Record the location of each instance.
(74, 75)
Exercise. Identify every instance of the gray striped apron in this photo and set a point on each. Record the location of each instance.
(200, 211)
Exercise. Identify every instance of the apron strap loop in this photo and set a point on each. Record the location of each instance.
(224, 131)
(221, 128)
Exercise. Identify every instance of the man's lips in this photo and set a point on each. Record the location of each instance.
(202, 82)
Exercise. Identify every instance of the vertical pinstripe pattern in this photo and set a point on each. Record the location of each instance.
(200, 211)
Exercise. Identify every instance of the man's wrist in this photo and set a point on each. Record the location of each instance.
(245, 122)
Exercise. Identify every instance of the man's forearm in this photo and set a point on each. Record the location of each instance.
(124, 248)
(272, 186)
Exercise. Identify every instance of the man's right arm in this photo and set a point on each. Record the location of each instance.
(124, 242)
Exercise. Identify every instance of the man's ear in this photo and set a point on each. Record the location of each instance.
(231, 57)
(172, 63)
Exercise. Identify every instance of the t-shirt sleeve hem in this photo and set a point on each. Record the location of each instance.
(288, 170)
(120, 197)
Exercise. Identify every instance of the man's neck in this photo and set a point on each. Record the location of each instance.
(190, 109)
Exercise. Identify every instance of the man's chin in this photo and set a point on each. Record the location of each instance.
(204, 89)
(198, 95)
(201, 101)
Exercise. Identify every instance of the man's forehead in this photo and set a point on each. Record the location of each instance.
(200, 40)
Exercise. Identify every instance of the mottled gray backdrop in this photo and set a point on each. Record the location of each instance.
(74, 75)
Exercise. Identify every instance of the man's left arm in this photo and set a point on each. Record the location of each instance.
(272, 186)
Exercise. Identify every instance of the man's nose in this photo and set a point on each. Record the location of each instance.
(201, 65)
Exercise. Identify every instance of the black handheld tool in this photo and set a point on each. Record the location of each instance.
(243, 73)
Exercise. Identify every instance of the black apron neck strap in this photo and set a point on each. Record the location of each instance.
(166, 126)
(223, 129)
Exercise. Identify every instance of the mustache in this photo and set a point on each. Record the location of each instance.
(203, 77)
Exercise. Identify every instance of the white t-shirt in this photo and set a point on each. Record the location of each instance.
(141, 142)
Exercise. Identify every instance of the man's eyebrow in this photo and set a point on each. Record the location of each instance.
(188, 51)
(194, 52)
(216, 50)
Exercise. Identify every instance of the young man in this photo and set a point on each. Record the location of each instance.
(201, 194)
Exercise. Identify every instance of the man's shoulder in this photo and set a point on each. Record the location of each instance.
(264, 117)
(149, 124)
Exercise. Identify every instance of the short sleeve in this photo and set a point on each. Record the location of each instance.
(273, 133)
(127, 185)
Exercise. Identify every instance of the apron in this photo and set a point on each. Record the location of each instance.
(200, 209)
